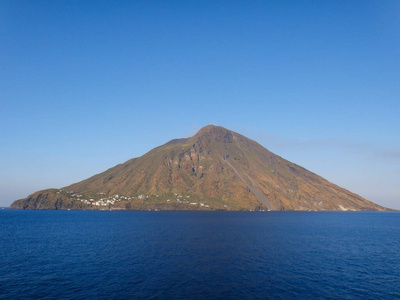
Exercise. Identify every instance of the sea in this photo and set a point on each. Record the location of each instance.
(54, 254)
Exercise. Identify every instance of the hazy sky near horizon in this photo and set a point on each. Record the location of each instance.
(86, 85)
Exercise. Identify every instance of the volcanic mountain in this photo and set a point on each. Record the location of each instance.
(214, 169)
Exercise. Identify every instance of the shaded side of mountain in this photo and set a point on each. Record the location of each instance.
(47, 199)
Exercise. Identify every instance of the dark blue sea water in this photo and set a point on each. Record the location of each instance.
(198, 255)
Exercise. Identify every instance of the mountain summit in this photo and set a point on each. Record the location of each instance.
(214, 169)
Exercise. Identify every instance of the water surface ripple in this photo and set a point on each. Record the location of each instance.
(199, 255)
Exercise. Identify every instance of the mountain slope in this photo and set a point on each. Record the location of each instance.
(214, 169)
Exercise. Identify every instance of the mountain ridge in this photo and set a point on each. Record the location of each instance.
(214, 169)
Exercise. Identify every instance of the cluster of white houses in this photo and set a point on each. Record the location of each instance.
(100, 202)
(103, 201)
(111, 200)
(182, 199)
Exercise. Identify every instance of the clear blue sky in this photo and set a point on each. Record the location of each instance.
(85, 85)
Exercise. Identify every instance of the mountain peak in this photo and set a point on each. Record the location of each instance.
(211, 128)
(216, 133)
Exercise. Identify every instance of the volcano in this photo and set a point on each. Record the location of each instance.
(216, 169)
